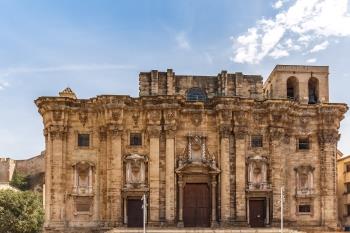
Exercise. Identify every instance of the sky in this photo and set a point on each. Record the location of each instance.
(99, 47)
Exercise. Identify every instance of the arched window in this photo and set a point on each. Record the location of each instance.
(196, 94)
(313, 90)
(292, 88)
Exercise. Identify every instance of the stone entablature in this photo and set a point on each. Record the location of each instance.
(184, 142)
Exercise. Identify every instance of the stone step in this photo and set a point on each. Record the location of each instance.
(203, 230)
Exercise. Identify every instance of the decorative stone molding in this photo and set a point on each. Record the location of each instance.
(154, 116)
(304, 180)
(328, 137)
(83, 178)
(170, 133)
(115, 130)
(153, 131)
(115, 115)
(135, 171)
(170, 116)
(257, 173)
(83, 117)
(135, 117)
(57, 132)
(241, 132)
(276, 134)
(226, 115)
(225, 131)
(102, 133)
(197, 119)
(57, 115)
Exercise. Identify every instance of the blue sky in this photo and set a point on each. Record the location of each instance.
(99, 47)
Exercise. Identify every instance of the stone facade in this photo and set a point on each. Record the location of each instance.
(33, 169)
(205, 150)
(343, 189)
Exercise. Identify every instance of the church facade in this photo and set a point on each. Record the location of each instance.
(206, 151)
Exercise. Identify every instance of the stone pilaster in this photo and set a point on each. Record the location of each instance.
(213, 222)
(170, 177)
(225, 175)
(328, 146)
(240, 137)
(56, 200)
(277, 174)
(180, 184)
(154, 133)
(115, 176)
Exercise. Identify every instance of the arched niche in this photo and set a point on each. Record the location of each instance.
(83, 178)
(135, 167)
(313, 90)
(292, 88)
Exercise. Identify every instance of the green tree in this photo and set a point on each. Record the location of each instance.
(19, 181)
(20, 212)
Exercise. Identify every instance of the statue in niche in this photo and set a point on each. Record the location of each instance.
(304, 180)
(135, 171)
(257, 173)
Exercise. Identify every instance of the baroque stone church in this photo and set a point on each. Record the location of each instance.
(207, 151)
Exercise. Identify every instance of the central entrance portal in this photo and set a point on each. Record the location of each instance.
(196, 205)
(257, 213)
(135, 213)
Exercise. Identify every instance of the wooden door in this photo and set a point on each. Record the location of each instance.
(135, 213)
(196, 205)
(257, 213)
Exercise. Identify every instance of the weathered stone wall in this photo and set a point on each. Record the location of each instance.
(166, 121)
(224, 84)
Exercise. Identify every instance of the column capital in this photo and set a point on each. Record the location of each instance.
(328, 137)
(153, 131)
(56, 132)
(225, 131)
(241, 132)
(170, 133)
(114, 130)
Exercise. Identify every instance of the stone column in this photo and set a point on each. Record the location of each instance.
(57, 200)
(154, 176)
(180, 184)
(48, 172)
(328, 141)
(240, 137)
(214, 222)
(170, 177)
(115, 176)
(225, 176)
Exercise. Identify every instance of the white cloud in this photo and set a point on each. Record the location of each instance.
(311, 60)
(4, 84)
(278, 4)
(319, 47)
(278, 53)
(302, 25)
(62, 68)
(182, 41)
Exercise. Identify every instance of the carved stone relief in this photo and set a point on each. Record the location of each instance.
(135, 171)
(304, 180)
(257, 173)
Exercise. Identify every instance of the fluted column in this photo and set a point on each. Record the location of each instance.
(170, 177)
(154, 176)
